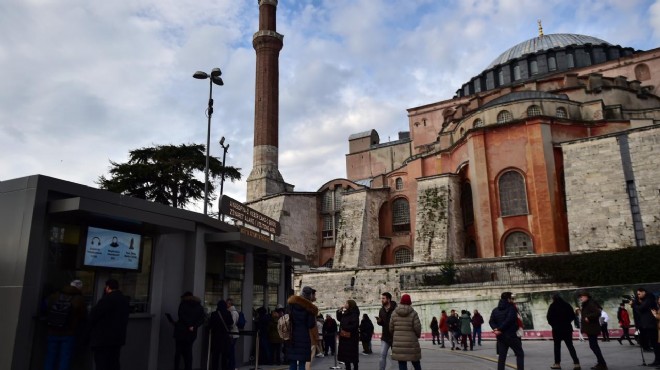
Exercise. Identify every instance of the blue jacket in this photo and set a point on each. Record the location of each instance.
(504, 318)
(302, 314)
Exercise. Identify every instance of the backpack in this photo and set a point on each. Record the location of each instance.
(284, 328)
(59, 313)
(241, 321)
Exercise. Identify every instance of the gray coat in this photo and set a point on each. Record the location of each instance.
(406, 330)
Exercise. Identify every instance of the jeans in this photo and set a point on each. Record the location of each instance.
(503, 345)
(476, 333)
(593, 344)
(60, 347)
(384, 348)
(403, 365)
(568, 339)
(231, 355)
(297, 365)
(183, 348)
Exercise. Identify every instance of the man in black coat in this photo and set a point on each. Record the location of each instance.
(504, 322)
(329, 335)
(108, 322)
(646, 322)
(383, 319)
(560, 317)
(191, 317)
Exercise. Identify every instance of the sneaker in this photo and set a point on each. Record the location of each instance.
(555, 366)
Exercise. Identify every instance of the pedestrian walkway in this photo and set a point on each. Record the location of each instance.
(538, 356)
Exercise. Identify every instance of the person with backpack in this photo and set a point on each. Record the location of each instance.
(219, 323)
(300, 325)
(191, 316)
(108, 321)
(66, 313)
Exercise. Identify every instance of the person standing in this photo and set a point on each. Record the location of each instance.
(319, 330)
(329, 335)
(604, 319)
(444, 329)
(646, 322)
(560, 317)
(234, 333)
(349, 327)
(219, 323)
(274, 338)
(466, 330)
(302, 314)
(66, 314)
(435, 330)
(504, 322)
(366, 332)
(624, 322)
(406, 330)
(191, 316)
(108, 321)
(383, 319)
(591, 327)
(454, 326)
(477, 321)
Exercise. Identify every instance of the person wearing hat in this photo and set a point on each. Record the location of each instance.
(65, 315)
(504, 322)
(590, 325)
(406, 330)
(349, 334)
(191, 316)
(302, 314)
(624, 322)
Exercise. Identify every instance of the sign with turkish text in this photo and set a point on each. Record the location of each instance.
(239, 211)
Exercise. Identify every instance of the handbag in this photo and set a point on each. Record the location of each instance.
(344, 333)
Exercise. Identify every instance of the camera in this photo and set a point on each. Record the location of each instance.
(627, 298)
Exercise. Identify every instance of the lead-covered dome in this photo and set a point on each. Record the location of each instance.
(545, 42)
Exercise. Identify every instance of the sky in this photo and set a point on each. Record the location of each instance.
(84, 82)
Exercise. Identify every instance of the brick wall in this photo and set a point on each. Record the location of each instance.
(645, 155)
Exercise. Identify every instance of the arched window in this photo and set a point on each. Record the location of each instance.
(561, 113)
(477, 123)
(470, 250)
(513, 196)
(398, 183)
(466, 205)
(504, 116)
(330, 213)
(533, 67)
(400, 215)
(329, 263)
(533, 110)
(518, 244)
(642, 72)
(402, 255)
(462, 131)
(552, 64)
(326, 202)
(338, 194)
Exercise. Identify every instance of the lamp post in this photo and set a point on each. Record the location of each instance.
(225, 148)
(214, 78)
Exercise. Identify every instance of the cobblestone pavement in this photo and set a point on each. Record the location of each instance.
(538, 356)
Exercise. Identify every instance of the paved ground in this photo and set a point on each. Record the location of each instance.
(538, 356)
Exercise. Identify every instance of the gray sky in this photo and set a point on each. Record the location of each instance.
(84, 82)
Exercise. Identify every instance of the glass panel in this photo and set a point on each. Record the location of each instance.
(561, 113)
(478, 123)
(504, 116)
(513, 197)
(401, 214)
(328, 232)
(235, 291)
(234, 265)
(533, 110)
(258, 296)
(552, 63)
(534, 68)
(516, 73)
(326, 202)
(402, 255)
(136, 285)
(338, 194)
(518, 244)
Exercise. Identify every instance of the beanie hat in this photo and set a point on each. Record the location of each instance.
(77, 283)
(405, 299)
(307, 292)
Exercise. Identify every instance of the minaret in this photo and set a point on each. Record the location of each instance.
(265, 178)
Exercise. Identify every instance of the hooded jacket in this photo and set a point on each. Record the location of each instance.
(504, 318)
(560, 317)
(465, 320)
(302, 314)
(191, 314)
(406, 330)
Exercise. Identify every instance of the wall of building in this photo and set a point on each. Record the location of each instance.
(644, 146)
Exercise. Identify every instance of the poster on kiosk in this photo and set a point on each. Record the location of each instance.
(112, 249)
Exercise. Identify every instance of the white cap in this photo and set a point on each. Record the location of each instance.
(77, 283)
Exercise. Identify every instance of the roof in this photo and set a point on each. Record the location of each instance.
(545, 42)
(360, 135)
(524, 95)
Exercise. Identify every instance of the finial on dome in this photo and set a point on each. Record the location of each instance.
(540, 28)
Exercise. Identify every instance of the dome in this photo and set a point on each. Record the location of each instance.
(545, 42)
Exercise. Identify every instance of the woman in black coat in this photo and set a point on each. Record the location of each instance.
(302, 315)
(349, 343)
(560, 317)
(220, 324)
(366, 332)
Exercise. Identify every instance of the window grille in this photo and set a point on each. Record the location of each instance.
(338, 194)
(504, 116)
(400, 215)
(399, 183)
(328, 227)
(402, 255)
(561, 113)
(518, 244)
(533, 110)
(477, 123)
(328, 263)
(513, 197)
(326, 203)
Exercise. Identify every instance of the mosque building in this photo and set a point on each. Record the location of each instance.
(552, 148)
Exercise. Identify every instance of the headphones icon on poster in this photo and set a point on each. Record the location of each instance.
(98, 240)
(114, 243)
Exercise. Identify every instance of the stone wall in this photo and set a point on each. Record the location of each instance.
(596, 200)
(645, 154)
(438, 218)
(358, 242)
(298, 216)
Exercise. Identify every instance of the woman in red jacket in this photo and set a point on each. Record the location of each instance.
(624, 323)
(444, 329)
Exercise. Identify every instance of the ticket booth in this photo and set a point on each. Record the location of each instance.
(55, 231)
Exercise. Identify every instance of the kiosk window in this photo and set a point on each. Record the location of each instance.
(136, 285)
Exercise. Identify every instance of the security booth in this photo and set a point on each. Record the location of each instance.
(56, 231)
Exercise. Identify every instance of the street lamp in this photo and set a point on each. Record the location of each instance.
(214, 78)
(225, 148)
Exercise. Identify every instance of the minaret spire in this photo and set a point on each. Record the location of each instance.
(540, 27)
(265, 178)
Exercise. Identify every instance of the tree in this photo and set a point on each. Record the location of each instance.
(166, 174)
